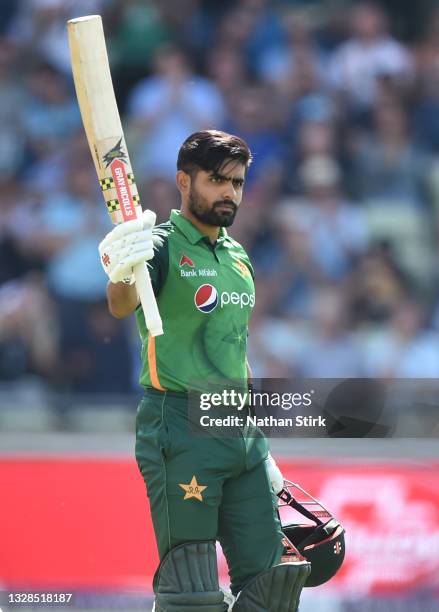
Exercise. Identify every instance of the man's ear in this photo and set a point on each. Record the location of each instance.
(183, 181)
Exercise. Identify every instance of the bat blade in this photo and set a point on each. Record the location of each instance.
(103, 128)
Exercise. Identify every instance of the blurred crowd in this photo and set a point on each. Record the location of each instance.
(339, 102)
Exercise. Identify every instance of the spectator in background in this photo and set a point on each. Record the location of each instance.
(28, 330)
(298, 53)
(65, 234)
(336, 231)
(17, 213)
(50, 114)
(39, 28)
(407, 349)
(296, 76)
(322, 347)
(88, 352)
(8, 8)
(369, 53)
(306, 99)
(331, 350)
(192, 23)
(390, 177)
(137, 32)
(166, 107)
(426, 113)
(426, 52)
(234, 29)
(308, 139)
(377, 285)
(252, 27)
(387, 163)
(274, 342)
(286, 266)
(313, 239)
(426, 110)
(159, 194)
(226, 67)
(266, 31)
(253, 116)
(50, 120)
(12, 99)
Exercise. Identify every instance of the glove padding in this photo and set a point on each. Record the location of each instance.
(274, 474)
(127, 245)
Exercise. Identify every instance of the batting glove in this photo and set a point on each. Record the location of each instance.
(274, 474)
(127, 245)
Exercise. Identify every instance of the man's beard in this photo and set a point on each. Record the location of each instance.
(211, 216)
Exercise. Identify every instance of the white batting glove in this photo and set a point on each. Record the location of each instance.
(127, 245)
(274, 474)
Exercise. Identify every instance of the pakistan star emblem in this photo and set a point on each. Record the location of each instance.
(237, 336)
(193, 489)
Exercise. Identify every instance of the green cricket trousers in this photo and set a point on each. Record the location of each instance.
(207, 487)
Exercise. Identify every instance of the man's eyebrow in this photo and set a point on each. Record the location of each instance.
(226, 178)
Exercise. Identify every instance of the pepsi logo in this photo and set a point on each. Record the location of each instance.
(206, 298)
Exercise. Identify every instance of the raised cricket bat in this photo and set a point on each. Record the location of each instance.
(100, 116)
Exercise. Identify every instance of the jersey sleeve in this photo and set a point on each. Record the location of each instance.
(158, 266)
(245, 258)
(250, 267)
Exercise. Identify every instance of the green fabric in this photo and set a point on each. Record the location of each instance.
(198, 349)
(237, 505)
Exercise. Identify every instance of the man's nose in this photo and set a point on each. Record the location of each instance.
(229, 192)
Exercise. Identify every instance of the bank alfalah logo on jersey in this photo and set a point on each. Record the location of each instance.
(186, 261)
(188, 269)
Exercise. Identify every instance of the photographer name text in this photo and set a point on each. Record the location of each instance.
(267, 421)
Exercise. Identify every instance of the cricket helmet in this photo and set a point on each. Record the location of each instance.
(321, 542)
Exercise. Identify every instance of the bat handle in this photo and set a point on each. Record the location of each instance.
(147, 299)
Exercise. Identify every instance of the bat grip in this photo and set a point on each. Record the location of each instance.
(147, 299)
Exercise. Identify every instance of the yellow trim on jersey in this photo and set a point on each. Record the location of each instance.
(152, 364)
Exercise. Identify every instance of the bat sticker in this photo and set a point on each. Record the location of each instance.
(108, 182)
(114, 205)
(115, 153)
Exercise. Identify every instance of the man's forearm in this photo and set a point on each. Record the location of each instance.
(122, 299)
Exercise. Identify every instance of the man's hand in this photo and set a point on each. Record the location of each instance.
(274, 474)
(126, 245)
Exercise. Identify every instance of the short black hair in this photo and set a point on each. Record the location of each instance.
(208, 150)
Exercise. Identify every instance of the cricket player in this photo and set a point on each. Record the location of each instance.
(201, 488)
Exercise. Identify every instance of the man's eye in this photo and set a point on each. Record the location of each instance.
(217, 179)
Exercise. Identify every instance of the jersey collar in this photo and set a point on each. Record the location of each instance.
(190, 231)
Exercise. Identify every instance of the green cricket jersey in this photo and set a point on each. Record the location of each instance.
(205, 294)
